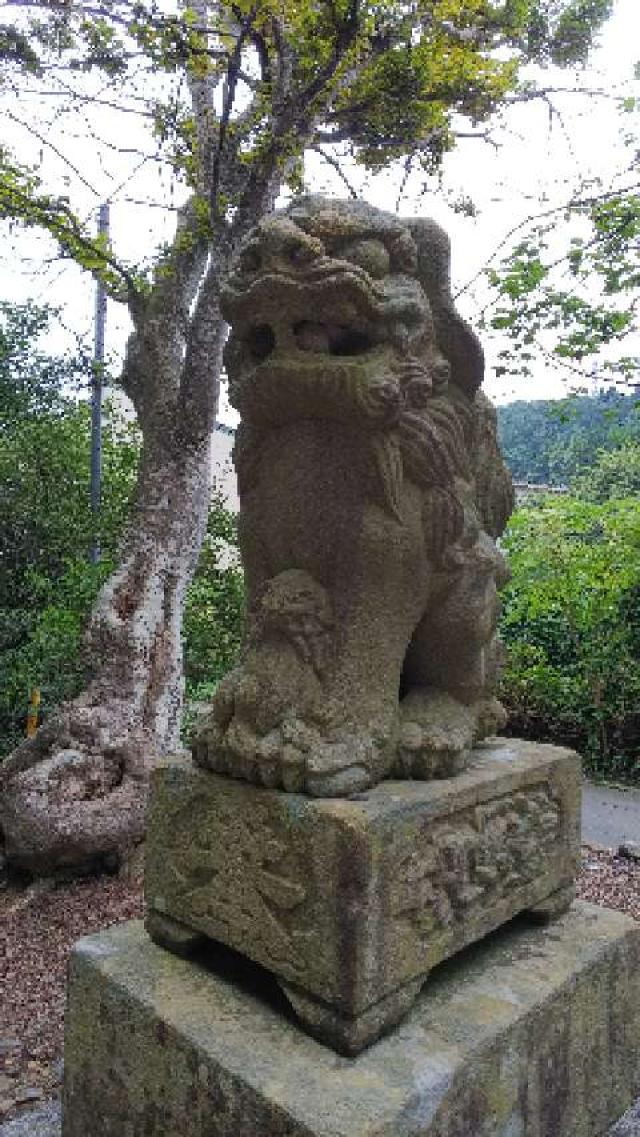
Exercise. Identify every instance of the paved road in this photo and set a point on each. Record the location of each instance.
(629, 1125)
(610, 817)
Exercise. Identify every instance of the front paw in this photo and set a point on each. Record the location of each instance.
(436, 735)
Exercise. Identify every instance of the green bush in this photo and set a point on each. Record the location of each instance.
(47, 586)
(40, 648)
(214, 613)
(571, 624)
(616, 473)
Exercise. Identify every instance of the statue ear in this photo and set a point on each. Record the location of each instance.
(456, 339)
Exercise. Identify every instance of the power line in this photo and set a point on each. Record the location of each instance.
(96, 397)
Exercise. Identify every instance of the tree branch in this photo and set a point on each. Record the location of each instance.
(202, 90)
(245, 24)
(574, 203)
(335, 165)
(199, 386)
(44, 141)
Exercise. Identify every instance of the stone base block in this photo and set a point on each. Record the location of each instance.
(352, 902)
(535, 1032)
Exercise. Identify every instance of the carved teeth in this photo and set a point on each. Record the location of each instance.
(331, 339)
(312, 337)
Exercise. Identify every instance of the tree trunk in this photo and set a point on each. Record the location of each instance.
(134, 630)
(76, 794)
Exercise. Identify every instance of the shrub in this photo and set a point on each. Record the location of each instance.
(41, 647)
(571, 624)
(214, 613)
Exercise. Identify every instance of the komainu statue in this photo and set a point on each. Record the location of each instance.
(371, 490)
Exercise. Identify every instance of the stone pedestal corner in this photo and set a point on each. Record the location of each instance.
(533, 1033)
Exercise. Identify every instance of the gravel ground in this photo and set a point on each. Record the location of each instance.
(39, 926)
(610, 880)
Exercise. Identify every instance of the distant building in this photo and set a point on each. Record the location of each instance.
(223, 473)
(526, 490)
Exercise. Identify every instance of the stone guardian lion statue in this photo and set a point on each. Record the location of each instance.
(372, 490)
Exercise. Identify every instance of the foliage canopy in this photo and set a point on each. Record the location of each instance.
(553, 442)
(615, 474)
(236, 92)
(572, 280)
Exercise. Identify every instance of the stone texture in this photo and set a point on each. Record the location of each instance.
(350, 903)
(533, 1033)
(371, 492)
(48, 1123)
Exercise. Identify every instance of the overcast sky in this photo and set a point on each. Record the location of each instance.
(536, 158)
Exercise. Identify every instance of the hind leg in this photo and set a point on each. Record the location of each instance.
(448, 677)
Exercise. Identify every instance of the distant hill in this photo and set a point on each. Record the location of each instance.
(548, 441)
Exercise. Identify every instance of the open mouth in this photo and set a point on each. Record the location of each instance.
(331, 339)
(311, 336)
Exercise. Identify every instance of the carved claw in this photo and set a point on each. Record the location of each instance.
(321, 768)
(382, 402)
(492, 718)
(294, 757)
(292, 769)
(345, 766)
(341, 783)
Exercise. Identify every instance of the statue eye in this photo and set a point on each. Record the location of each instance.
(250, 259)
(301, 254)
(370, 254)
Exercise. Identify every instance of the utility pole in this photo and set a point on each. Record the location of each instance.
(96, 399)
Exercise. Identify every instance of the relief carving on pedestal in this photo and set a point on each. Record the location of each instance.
(233, 871)
(449, 870)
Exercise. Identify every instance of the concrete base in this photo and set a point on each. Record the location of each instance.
(47, 1122)
(535, 1032)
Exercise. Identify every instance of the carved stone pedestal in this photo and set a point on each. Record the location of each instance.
(351, 902)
